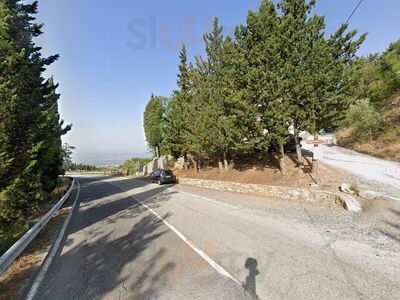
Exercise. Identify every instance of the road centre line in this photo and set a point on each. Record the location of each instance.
(201, 253)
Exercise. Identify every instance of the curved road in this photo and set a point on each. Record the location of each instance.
(117, 248)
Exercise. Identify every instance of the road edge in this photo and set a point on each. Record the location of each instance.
(54, 249)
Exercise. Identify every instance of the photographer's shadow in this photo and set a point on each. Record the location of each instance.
(250, 284)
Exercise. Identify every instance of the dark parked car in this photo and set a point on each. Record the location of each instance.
(163, 176)
(291, 144)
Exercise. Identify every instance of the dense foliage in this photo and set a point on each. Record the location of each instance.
(382, 77)
(134, 165)
(31, 153)
(280, 70)
(377, 116)
(153, 120)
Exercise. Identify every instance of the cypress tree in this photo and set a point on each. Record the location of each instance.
(177, 120)
(219, 125)
(153, 122)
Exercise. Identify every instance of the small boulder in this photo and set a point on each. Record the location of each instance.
(345, 188)
(351, 204)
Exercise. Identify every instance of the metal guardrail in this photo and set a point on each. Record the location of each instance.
(8, 258)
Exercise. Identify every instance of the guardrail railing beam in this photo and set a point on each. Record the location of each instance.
(8, 258)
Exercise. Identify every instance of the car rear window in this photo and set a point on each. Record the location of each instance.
(167, 173)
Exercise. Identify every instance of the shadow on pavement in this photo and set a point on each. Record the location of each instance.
(393, 229)
(108, 210)
(103, 260)
(96, 265)
(250, 284)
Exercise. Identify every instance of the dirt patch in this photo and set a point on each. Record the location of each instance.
(379, 149)
(262, 169)
(15, 282)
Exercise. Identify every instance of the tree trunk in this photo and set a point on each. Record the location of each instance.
(226, 163)
(220, 165)
(315, 163)
(298, 147)
(158, 151)
(195, 166)
(281, 158)
(313, 160)
(185, 162)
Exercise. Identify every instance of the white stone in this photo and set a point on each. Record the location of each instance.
(345, 188)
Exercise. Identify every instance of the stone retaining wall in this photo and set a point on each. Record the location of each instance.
(312, 195)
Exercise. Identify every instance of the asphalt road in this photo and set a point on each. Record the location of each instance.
(213, 245)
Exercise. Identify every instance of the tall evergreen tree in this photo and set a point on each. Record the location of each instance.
(197, 113)
(25, 116)
(50, 151)
(177, 120)
(237, 118)
(266, 85)
(216, 114)
(317, 74)
(153, 123)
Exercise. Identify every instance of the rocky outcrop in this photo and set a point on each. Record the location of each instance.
(157, 163)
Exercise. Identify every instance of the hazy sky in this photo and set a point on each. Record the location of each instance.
(114, 54)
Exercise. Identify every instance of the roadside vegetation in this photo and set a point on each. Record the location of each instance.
(16, 281)
(131, 166)
(134, 165)
(18, 229)
(372, 125)
(279, 70)
(31, 152)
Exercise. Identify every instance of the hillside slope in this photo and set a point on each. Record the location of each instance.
(372, 125)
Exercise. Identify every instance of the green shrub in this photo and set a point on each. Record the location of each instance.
(171, 164)
(365, 120)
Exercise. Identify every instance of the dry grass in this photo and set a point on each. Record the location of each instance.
(15, 282)
(379, 149)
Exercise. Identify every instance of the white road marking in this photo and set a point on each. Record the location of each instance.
(207, 199)
(49, 259)
(203, 255)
